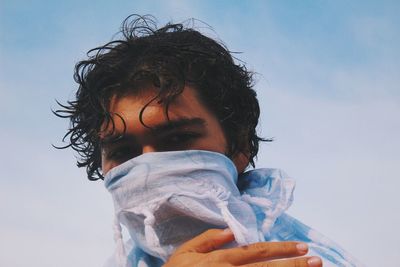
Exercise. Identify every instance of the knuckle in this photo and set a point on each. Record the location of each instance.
(216, 258)
(211, 245)
(209, 233)
(299, 263)
(284, 249)
(261, 249)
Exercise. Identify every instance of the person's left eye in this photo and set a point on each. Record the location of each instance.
(181, 138)
(178, 141)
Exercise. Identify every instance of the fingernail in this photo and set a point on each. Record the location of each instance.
(227, 231)
(302, 248)
(314, 262)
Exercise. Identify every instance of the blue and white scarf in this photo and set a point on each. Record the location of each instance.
(167, 198)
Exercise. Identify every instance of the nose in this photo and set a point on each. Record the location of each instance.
(148, 149)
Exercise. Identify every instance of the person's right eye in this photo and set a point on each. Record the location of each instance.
(181, 138)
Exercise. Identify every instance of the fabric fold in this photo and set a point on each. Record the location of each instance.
(167, 198)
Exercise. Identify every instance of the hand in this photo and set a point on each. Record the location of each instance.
(202, 251)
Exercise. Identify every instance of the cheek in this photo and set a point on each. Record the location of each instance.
(241, 161)
(216, 140)
(105, 167)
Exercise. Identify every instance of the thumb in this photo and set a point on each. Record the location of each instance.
(207, 241)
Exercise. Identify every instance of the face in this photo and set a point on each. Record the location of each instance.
(190, 126)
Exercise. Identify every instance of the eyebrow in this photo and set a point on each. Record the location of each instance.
(163, 128)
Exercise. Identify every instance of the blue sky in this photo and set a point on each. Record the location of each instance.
(328, 84)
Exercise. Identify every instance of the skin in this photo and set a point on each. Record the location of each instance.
(190, 126)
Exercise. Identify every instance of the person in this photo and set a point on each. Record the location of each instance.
(167, 118)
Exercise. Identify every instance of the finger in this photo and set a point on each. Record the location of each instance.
(261, 251)
(297, 262)
(207, 241)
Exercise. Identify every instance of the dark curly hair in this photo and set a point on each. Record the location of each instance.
(168, 58)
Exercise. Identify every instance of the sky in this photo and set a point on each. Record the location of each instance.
(329, 89)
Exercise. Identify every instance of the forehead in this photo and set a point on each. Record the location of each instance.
(186, 102)
(145, 109)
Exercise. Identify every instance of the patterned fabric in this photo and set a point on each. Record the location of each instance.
(263, 194)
